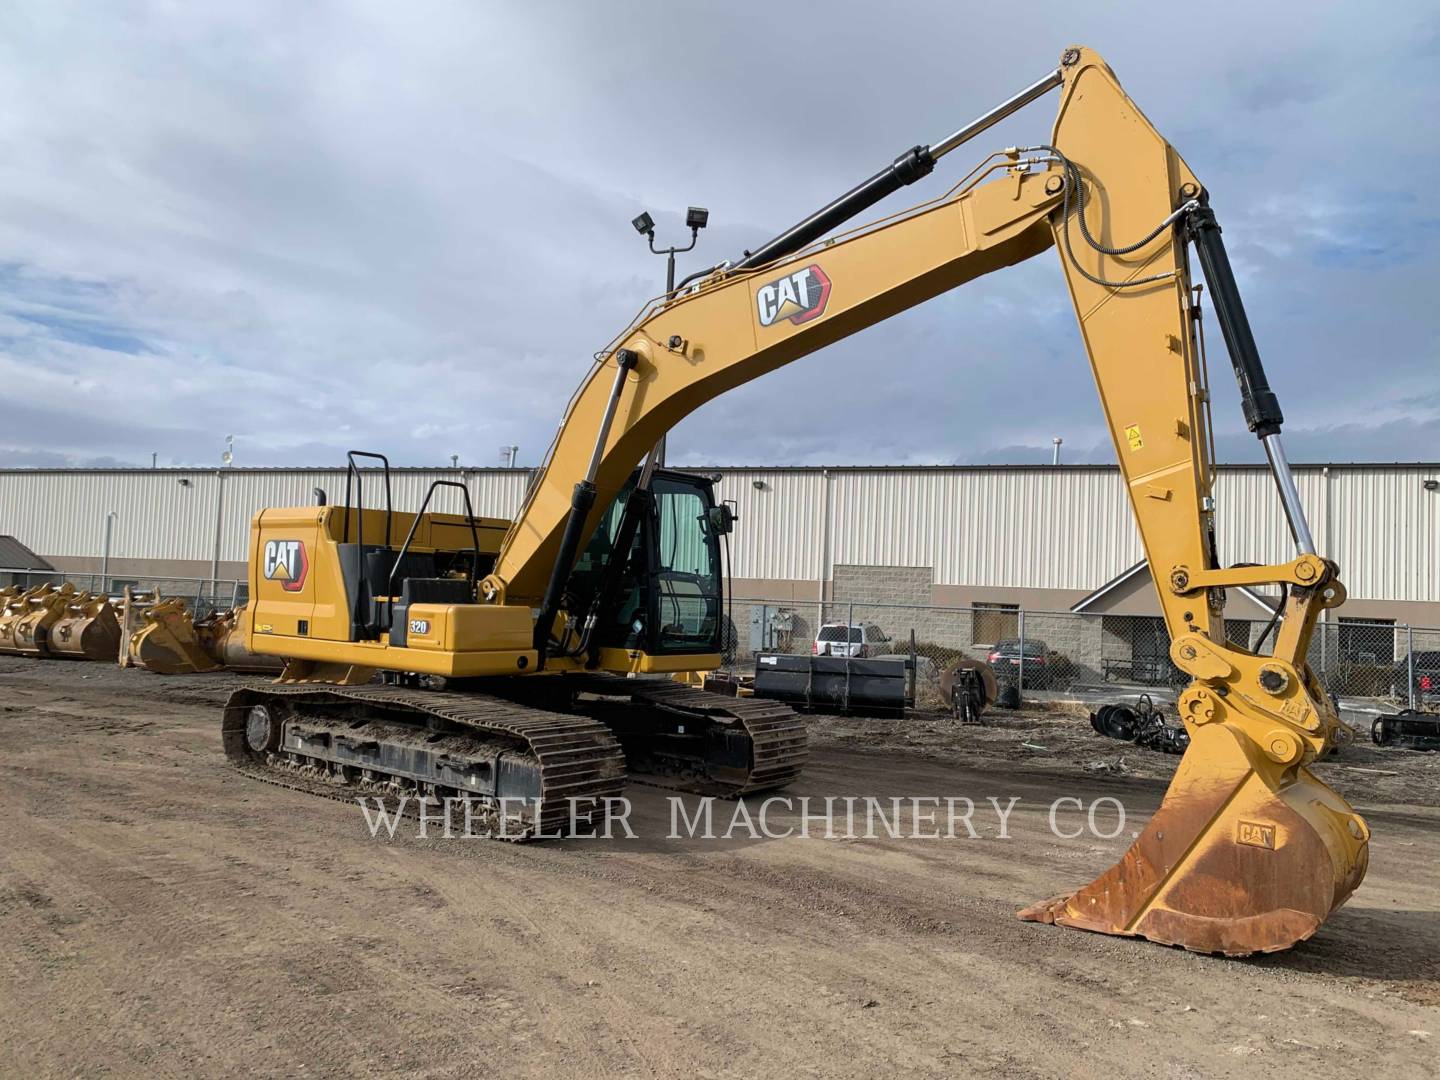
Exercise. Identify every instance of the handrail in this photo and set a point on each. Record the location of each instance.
(354, 470)
(405, 547)
(358, 608)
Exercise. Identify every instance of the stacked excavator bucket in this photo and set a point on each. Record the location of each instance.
(149, 630)
(160, 634)
(222, 634)
(11, 606)
(87, 629)
(58, 622)
(28, 617)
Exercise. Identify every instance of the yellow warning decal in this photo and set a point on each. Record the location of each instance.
(1132, 436)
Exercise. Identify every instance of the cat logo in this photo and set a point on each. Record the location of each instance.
(799, 297)
(286, 562)
(1256, 834)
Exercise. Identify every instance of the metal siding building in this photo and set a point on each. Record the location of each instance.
(1056, 532)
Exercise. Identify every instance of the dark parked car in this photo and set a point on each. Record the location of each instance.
(1427, 676)
(1044, 667)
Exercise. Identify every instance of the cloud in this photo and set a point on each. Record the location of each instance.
(359, 225)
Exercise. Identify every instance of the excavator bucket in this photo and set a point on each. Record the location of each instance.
(28, 620)
(223, 635)
(134, 603)
(88, 629)
(1249, 851)
(12, 606)
(165, 641)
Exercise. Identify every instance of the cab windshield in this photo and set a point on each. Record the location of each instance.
(688, 570)
(670, 597)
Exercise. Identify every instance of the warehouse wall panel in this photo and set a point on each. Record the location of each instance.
(1013, 527)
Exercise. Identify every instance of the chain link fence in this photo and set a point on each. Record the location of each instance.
(1393, 664)
(202, 595)
(1388, 662)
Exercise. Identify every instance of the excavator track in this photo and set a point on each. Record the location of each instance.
(742, 745)
(522, 773)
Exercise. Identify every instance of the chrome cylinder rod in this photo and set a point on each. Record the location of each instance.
(995, 115)
(624, 361)
(1289, 494)
(915, 164)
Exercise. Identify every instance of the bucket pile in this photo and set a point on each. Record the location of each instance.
(140, 629)
(57, 622)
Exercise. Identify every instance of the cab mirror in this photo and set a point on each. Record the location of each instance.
(721, 519)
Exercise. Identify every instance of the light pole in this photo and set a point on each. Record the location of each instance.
(696, 218)
(110, 517)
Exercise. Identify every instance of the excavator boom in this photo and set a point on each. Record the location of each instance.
(1250, 851)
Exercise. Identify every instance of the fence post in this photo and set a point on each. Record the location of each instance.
(914, 667)
(234, 594)
(1020, 676)
(1409, 667)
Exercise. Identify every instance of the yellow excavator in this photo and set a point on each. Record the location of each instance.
(612, 567)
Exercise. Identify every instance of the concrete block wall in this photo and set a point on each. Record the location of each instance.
(898, 599)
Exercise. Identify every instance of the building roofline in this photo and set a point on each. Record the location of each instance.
(14, 552)
(1373, 466)
(1114, 583)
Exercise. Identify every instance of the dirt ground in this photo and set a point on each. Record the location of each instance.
(162, 915)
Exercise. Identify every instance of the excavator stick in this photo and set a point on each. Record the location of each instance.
(88, 629)
(1249, 851)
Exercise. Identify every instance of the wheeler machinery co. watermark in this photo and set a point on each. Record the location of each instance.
(776, 818)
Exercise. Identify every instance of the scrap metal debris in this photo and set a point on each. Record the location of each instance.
(1144, 725)
(1409, 729)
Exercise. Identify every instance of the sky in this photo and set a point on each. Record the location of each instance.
(406, 227)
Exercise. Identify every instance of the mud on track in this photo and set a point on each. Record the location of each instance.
(161, 915)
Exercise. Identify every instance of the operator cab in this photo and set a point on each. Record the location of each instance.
(665, 599)
(668, 598)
